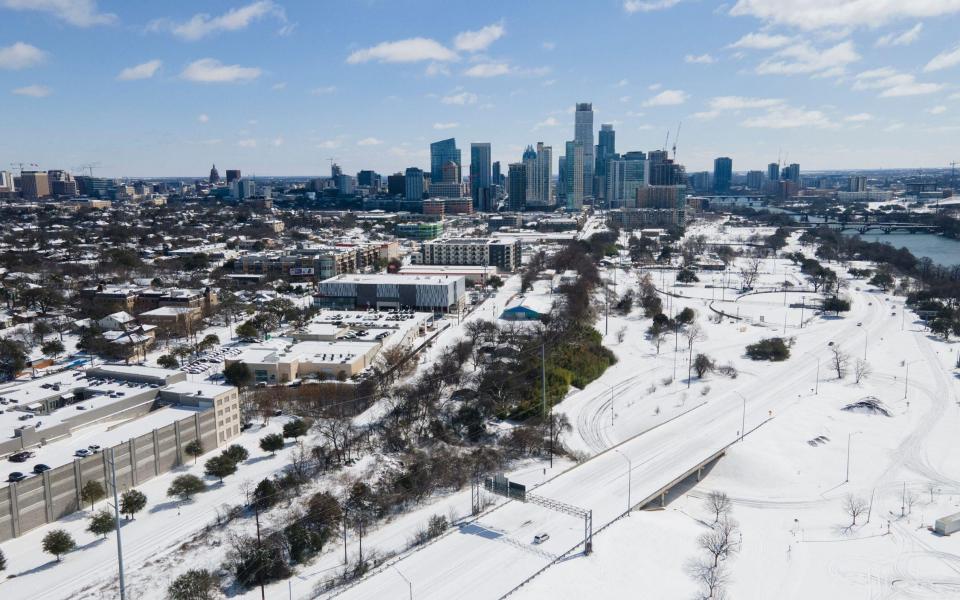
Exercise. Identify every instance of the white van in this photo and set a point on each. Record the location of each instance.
(541, 538)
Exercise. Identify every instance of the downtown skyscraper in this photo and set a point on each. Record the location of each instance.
(538, 166)
(441, 153)
(583, 134)
(481, 183)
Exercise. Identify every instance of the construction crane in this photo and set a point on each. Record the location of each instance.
(89, 167)
(20, 166)
(666, 142)
(675, 138)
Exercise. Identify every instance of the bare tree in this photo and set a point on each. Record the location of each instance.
(910, 499)
(854, 506)
(711, 580)
(931, 487)
(719, 542)
(719, 504)
(621, 335)
(861, 370)
(657, 336)
(840, 361)
(693, 333)
(750, 271)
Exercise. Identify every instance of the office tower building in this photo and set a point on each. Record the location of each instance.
(792, 173)
(755, 180)
(562, 178)
(397, 184)
(441, 153)
(481, 182)
(233, 175)
(722, 175)
(413, 179)
(773, 172)
(606, 149)
(241, 189)
(575, 159)
(857, 183)
(497, 174)
(6, 181)
(539, 169)
(335, 171)
(701, 182)
(625, 175)
(369, 179)
(214, 175)
(655, 157)
(450, 173)
(517, 186)
(583, 134)
(666, 172)
(34, 184)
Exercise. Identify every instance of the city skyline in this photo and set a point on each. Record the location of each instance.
(279, 88)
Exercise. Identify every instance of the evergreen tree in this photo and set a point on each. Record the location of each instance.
(220, 467)
(132, 502)
(58, 542)
(92, 491)
(101, 523)
(194, 448)
(271, 443)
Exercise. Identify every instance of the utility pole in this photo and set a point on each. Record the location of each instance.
(256, 512)
(816, 390)
(543, 391)
(116, 520)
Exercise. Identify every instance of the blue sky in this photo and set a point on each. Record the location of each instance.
(279, 86)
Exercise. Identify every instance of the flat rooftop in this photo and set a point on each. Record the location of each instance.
(388, 278)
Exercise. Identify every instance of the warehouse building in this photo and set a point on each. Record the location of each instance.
(385, 291)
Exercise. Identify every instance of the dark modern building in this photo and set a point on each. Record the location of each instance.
(722, 174)
(440, 153)
(481, 189)
(517, 186)
(233, 175)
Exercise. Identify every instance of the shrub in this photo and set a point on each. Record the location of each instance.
(193, 448)
(220, 466)
(265, 495)
(836, 305)
(91, 492)
(195, 584)
(237, 453)
(101, 523)
(773, 349)
(295, 428)
(132, 502)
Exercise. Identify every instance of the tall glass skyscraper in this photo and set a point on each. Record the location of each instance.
(480, 177)
(440, 153)
(583, 133)
(606, 150)
(722, 174)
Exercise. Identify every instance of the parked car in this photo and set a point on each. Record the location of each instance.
(16, 476)
(40, 468)
(541, 538)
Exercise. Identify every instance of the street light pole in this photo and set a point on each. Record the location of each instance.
(402, 576)
(849, 437)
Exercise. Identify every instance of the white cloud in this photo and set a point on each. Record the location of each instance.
(82, 13)
(815, 15)
(901, 39)
(142, 71)
(789, 117)
(248, 143)
(488, 70)
(279, 86)
(369, 141)
(742, 102)
(634, 6)
(624, 98)
(944, 60)
(445, 125)
(34, 91)
(893, 83)
(895, 126)
(277, 141)
(475, 41)
(21, 56)
(623, 83)
(937, 110)
(803, 58)
(667, 98)
(329, 144)
(702, 59)
(210, 70)
(203, 118)
(548, 122)
(403, 51)
(548, 45)
(460, 98)
(323, 91)
(859, 118)
(654, 86)
(761, 41)
(235, 19)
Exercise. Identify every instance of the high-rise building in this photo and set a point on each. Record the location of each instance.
(701, 182)
(722, 174)
(657, 156)
(497, 174)
(397, 184)
(449, 173)
(575, 161)
(242, 189)
(233, 175)
(481, 182)
(6, 181)
(413, 179)
(625, 175)
(34, 184)
(214, 175)
(539, 170)
(666, 172)
(562, 177)
(335, 171)
(792, 173)
(773, 172)
(606, 150)
(369, 179)
(755, 180)
(517, 186)
(857, 183)
(583, 133)
(441, 153)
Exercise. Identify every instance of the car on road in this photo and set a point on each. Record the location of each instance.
(21, 456)
(82, 452)
(16, 476)
(40, 468)
(541, 538)
(94, 448)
